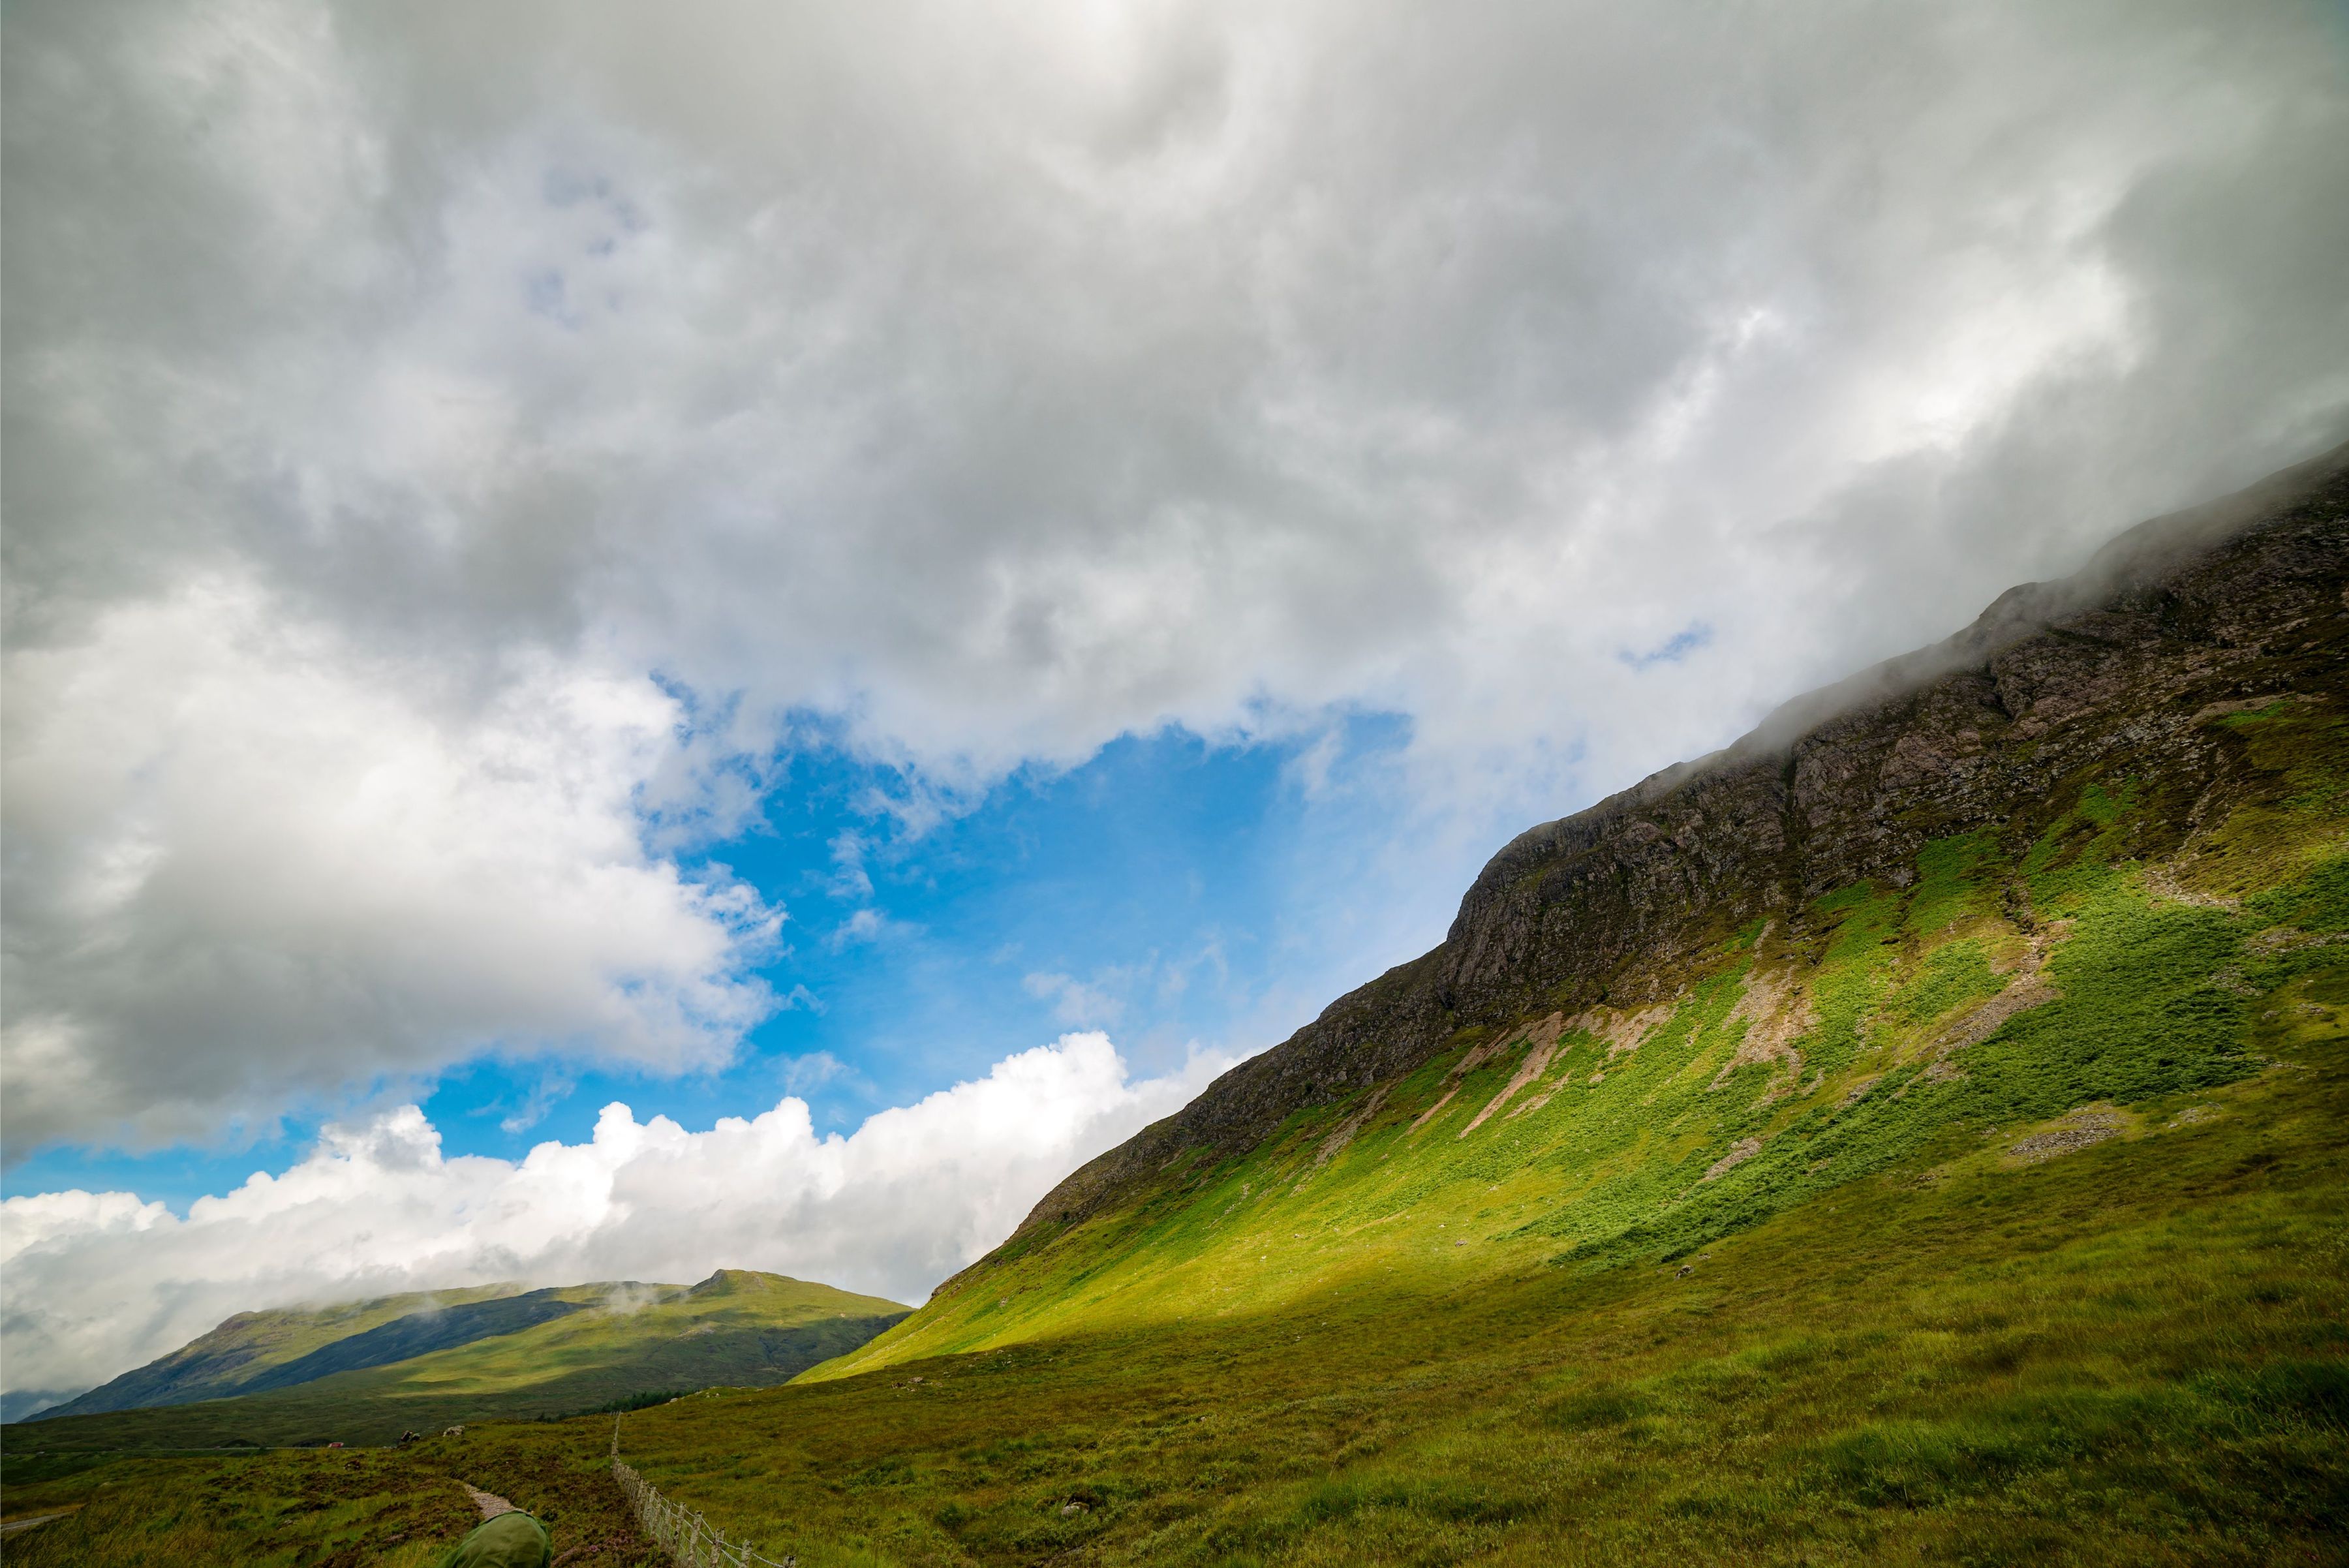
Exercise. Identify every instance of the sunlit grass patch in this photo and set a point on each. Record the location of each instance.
(1971, 1366)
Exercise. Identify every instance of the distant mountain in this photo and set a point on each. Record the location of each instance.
(367, 1371)
(274, 1349)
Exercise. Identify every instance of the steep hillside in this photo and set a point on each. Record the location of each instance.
(547, 1353)
(1919, 1134)
(2057, 866)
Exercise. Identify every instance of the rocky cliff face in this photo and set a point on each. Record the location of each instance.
(2118, 666)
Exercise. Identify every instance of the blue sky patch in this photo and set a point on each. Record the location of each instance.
(1673, 650)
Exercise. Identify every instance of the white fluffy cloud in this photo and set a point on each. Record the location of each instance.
(100, 1283)
(247, 862)
(996, 379)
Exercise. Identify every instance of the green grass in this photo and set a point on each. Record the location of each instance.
(2132, 1353)
(362, 1508)
(276, 1510)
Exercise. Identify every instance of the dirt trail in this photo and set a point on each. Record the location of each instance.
(30, 1520)
(489, 1502)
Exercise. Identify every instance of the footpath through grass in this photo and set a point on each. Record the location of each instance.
(347, 1508)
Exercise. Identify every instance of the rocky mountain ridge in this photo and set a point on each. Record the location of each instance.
(2232, 604)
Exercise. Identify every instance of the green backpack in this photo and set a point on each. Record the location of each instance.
(512, 1540)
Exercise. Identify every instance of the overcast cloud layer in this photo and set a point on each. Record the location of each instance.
(451, 451)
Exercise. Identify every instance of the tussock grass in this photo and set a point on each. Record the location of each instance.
(352, 1508)
(337, 1509)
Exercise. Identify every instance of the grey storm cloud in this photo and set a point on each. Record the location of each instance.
(393, 391)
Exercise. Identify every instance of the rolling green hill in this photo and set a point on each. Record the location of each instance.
(545, 1353)
(252, 1346)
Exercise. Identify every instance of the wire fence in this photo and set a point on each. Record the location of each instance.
(678, 1531)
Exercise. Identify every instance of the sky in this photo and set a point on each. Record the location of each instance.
(640, 640)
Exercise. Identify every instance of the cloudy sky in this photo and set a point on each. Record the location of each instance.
(648, 637)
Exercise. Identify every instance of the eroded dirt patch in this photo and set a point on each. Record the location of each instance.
(2030, 988)
(1346, 1130)
(1623, 1032)
(1741, 1151)
(1543, 1039)
(1778, 1011)
(2162, 882)
(1429, 1114)
(2078, 1131)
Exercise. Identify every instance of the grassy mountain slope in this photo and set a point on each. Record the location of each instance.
(254, 1344)
(2132, 1352)
(420, 1334)
(1936, 1019)
(2142, 812)
(1916, 1135)
(736, 1327)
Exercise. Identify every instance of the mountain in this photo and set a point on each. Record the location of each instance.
(1916, 1132)
(253, 1346)
(2017, 873)
(365, 1372)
